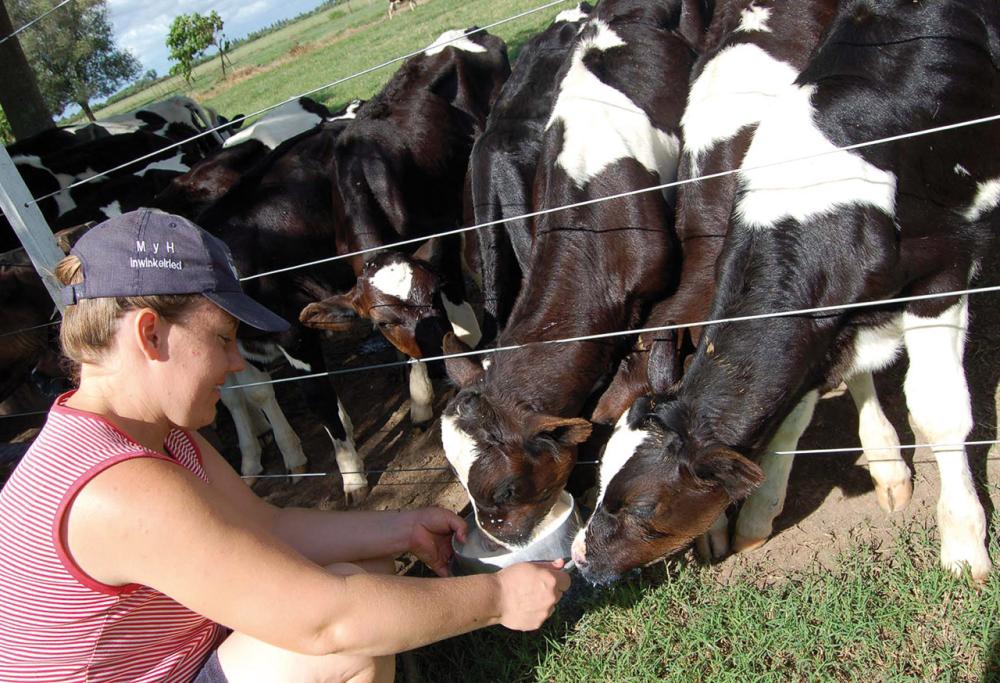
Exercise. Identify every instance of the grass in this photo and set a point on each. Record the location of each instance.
(878, 616)
(335, 44)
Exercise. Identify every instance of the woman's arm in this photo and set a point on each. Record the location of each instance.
(343, 536)
(149, 521)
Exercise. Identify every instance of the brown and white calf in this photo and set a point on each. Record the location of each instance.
(402, 166)
(511, 432)
(910, 217)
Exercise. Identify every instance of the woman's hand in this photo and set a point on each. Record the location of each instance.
(430, 537)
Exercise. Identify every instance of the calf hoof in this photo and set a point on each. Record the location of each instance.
(711, 546)
(742, 544)
(301, 469)
(355, 496)
(420, 416)
(895, 497)
(976, 560)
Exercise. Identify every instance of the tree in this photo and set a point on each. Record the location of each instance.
(74, 53)
(25, 110)
(190, 36)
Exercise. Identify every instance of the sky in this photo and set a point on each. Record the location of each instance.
(141, 25)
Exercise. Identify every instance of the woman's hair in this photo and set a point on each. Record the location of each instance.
(89, 326)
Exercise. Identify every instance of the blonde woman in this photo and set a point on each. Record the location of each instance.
(131, 551)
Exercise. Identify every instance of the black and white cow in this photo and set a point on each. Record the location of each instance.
(176, 118)
(909, 217)
(511, 432)
(503, 162)
(402, 166)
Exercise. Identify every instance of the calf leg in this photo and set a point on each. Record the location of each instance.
(261, 398)
(714, 543)
(889, 472)
(421, 394)
(756, 519)
(238, 408)
(350, 464)
(938, 399)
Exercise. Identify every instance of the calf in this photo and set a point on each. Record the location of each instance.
(903, 218)
(121, 190)
(511, 431)
(177, 118)
(402, 166)
(773, 43)
(285, 211)
(394, 6)
(502, 166)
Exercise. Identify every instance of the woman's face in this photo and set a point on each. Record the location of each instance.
(200, 350)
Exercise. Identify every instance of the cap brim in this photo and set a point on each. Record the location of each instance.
(246, 310)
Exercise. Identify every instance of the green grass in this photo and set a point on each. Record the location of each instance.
(877, 617)
(335, 44)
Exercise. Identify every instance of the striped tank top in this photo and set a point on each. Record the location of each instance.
(57, 623)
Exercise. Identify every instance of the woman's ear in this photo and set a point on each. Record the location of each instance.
(148, 333)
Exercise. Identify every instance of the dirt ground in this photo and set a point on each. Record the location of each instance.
(830, 502)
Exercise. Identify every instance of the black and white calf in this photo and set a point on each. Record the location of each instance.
(402, 165)
(909, 217)
(512, 431)
(504, 159)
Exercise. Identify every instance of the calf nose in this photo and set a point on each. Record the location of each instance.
(578, 551)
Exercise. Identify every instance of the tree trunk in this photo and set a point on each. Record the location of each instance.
(20, 98)
(85, 106)
(222, 61)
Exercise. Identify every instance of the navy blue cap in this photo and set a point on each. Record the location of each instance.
(148, 252)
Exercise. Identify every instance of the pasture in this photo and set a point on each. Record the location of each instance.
(841, 592)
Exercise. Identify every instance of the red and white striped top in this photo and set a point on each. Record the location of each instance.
(57, 623)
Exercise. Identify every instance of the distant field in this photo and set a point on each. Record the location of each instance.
(335, 44)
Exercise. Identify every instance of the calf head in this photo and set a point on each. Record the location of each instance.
(659, 490)
(400, 293)
(513, 459)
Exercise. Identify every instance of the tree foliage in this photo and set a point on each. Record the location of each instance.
(190, 36)
(73, 52)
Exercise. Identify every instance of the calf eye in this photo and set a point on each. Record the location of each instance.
(504, 494)
(642, 510)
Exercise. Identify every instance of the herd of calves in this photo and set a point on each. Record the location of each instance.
(685, 167)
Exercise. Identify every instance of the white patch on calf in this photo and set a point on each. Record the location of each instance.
(64, 201)
(962, 170)
(754, 18)
(570, 15)
(621, 447)
(280, 124)
(875, 348)
(295, 362)
(112, 209)
(395, 279)
(460, 448)
(174, 163)
(602, 125)
(736, 88)
(802, 189)
(350, 113)
(457, 42)
(987, 199)
(463, 321)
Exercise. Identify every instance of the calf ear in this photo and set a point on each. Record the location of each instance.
(738, 476)
(568, 431)
(338, 312)
(430, 251)
(464, 370)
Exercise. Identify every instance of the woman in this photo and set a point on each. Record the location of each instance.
(128, 546)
